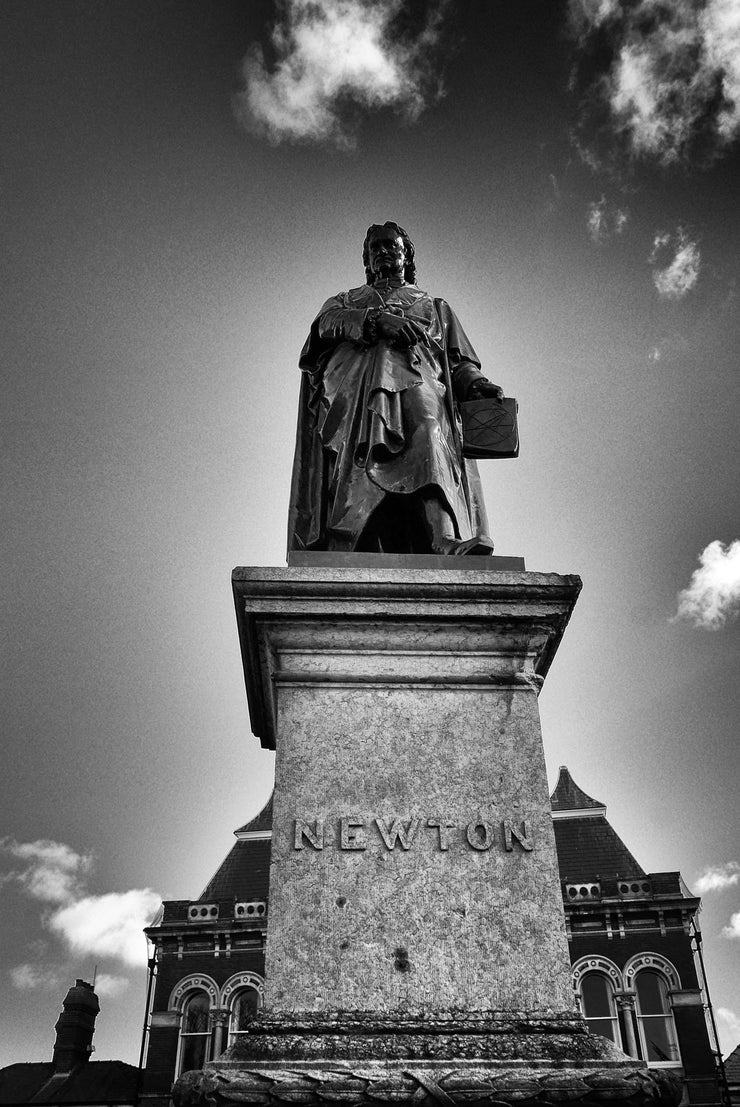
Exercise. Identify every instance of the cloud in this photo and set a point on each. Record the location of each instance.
(605, 220)
(109, 925)
(733, 930)
(729, 1028)
(106, 984)
(659, 81)
(713, 594)
(28, 977)
(53, 872)
(334, 56)
(718, 877)
(679, 275)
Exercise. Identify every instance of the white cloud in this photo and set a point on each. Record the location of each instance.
(28, 977)
(733, 930)
(109, 925)
(728, 1025)
(679, 275)
(52, 871)
(717, 877)
(673, 82)
(106, 984)
(604, 220)
(720, 24)
(333, 53)
(713, 594)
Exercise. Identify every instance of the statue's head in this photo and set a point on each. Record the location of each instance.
(387, 231)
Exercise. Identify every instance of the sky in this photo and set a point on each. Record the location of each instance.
(182, 185)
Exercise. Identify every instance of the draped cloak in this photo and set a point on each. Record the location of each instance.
(375, 418)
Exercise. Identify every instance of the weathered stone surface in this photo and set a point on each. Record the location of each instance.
(450, 1037)
(416, 949)
(336, 559)
(270, 598)
(425, 1084)
(413, 858)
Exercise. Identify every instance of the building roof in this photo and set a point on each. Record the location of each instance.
(244, 874)
(732, 1066)
(569, 797)
(589, 848)
(95, 1082)
(592, 850)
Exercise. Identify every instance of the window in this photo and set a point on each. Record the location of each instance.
(244, 1007)
(655, 1019)
(195, 1032)
(599, 1007)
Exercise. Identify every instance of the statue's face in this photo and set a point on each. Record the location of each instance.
(386, 253)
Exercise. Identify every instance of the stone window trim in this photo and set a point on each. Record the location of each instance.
(597, 964)
(220, 998)
(656, 962)
(241, 980)
(195, 982)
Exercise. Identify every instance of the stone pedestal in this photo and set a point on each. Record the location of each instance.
(416, 950)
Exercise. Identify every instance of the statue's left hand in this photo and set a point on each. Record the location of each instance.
(481, 388)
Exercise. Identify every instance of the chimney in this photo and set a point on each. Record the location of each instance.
(75, 1027)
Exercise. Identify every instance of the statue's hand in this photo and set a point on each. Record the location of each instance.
(397, 329)
(481, 388)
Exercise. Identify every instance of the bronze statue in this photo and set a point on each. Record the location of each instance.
(378, 463)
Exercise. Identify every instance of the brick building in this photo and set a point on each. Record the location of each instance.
(71, 1076)
(632, 941)
(210, 962)
(630, 935)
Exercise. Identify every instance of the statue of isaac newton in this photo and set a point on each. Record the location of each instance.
(379, 463)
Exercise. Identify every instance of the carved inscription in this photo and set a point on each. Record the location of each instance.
(314, 837)
(353, 833)
(398, 832)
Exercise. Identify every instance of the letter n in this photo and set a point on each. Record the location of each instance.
(315, 837)
(523, 836)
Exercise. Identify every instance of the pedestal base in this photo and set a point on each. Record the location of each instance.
(499, 1059)
(416, 946)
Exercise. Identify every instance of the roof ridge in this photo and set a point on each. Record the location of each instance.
(569, 796)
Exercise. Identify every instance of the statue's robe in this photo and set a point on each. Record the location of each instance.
(376, 419)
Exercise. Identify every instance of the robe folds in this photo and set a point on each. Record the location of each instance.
(377, 419)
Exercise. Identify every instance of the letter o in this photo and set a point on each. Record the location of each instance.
(475, 839)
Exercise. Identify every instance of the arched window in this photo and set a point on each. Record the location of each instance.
(242, 995)
(243, 1007)
(195, 1031)
(599, 1007)
(655, 1019)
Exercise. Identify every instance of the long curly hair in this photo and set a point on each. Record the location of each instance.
(409, 269)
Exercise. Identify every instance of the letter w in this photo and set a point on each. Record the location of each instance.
(397, 832)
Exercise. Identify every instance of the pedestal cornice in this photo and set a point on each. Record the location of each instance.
(393, 612)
